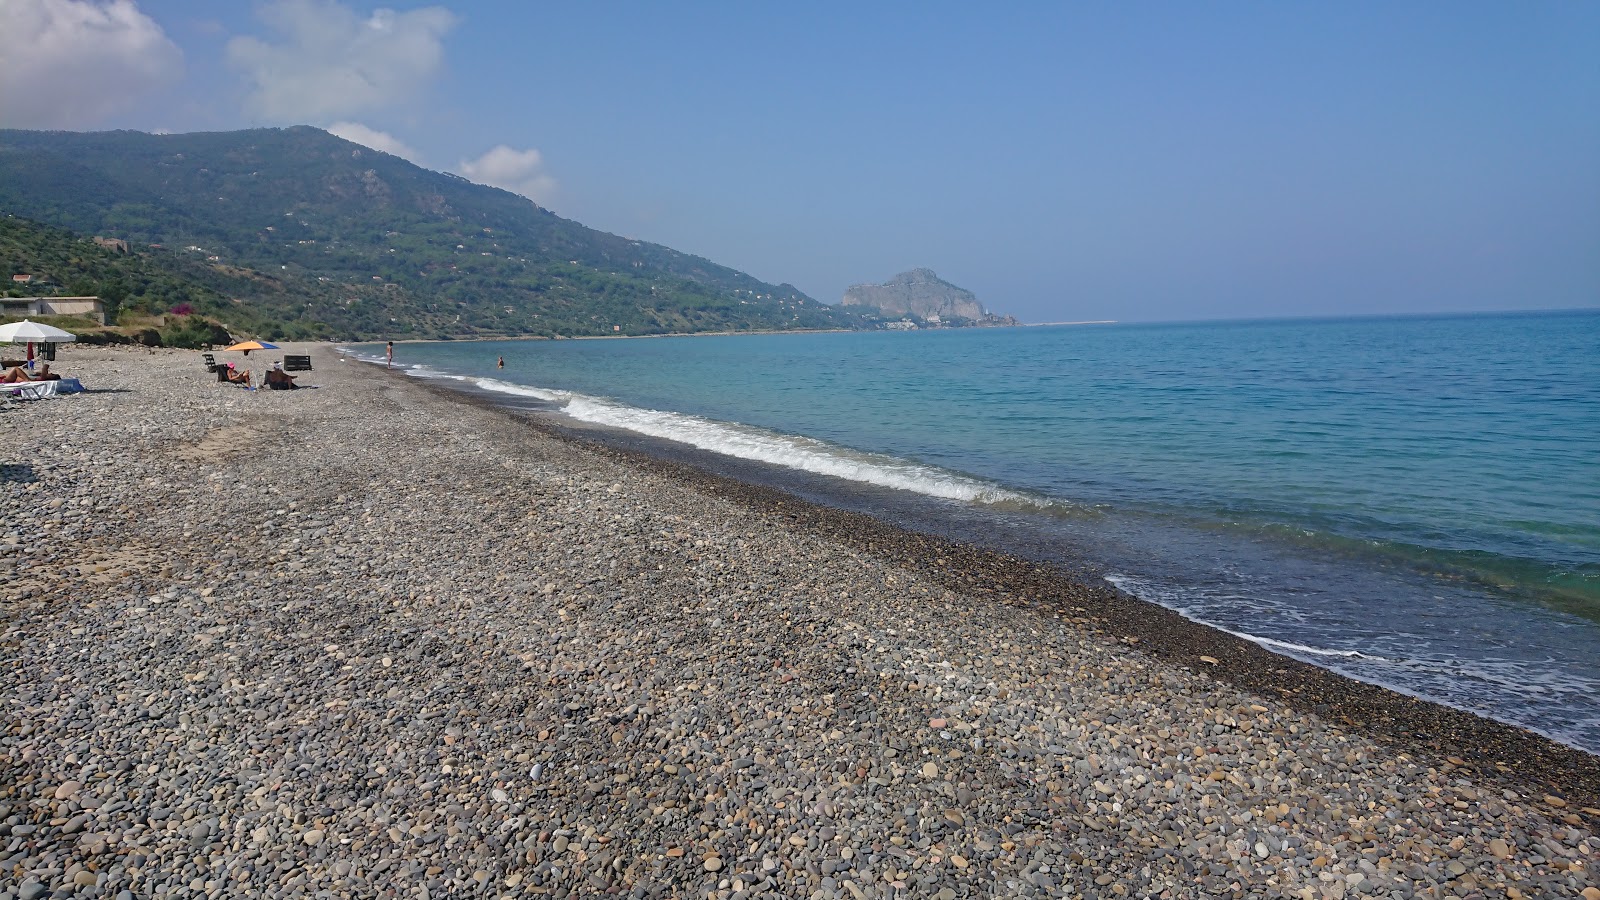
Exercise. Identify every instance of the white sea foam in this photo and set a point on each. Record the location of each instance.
(791, 451)
(361, 357)
(517, 390)
(380, 360)
(1145, 590)
(746, 442)
(1456, 682)
(1292, 647)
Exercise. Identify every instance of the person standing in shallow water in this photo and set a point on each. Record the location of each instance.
(500, 362)
(390, 357)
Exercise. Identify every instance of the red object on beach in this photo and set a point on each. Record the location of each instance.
(30, 354)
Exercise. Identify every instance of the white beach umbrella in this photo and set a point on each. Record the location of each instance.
(30, 333)
(26, 332)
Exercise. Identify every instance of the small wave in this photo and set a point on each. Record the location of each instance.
(1146, 591)
(1292, 647)
(517, 390)
(1519, 678)
(373, 360)
(361, 357)
(494, 385)
(794, 452)
(420, 370)
(745, 442)
(1542, 698)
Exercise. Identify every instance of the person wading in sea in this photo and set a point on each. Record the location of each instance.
(500, 362)
(390, 363)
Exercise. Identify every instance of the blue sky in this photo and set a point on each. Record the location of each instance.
(1063, 161)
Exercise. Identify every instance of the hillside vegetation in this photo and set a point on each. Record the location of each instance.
(157, 301)
(303, 234)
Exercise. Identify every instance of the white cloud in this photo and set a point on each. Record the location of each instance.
(371, 137)
(330, 62)
(72, 63)
(519, 171)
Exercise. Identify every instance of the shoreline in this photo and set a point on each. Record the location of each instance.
(689, 334)
(382, 636)
(480, 339)
(1409, 723)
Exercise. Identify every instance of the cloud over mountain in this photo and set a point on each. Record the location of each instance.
(371, 137)
(519, 171)
(329, 62)
(72, 63)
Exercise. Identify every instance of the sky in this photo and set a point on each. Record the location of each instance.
(1063, 161)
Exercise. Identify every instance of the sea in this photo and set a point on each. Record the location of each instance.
(1409, 501)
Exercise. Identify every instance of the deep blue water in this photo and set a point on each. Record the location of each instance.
(1412, 501)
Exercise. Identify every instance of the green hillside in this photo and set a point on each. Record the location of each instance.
(145, 288)
(305, 234)
(156, 301)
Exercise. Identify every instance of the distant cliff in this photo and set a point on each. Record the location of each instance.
(926, 296)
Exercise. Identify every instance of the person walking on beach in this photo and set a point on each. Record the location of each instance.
(500, 363)
(390, 363)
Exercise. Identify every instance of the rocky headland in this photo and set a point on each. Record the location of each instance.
(377, 640)
(923, 294)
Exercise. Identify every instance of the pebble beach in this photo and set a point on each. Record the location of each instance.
(378, 640)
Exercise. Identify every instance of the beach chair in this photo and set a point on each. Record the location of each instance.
(222, 377)
(278, 380)
(297, 363)
(33, 390)
(211, 362)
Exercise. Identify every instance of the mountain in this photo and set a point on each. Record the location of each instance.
(926, 296)
(318, 236)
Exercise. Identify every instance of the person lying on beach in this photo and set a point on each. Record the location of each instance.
(279, 380)
(17, 374)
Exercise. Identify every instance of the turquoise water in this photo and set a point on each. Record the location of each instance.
(1414, 501)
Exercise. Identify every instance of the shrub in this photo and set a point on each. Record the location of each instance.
(193, 333)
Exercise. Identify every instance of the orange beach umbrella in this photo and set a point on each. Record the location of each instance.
(247, 346)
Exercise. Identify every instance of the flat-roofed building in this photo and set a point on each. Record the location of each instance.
(27, 307)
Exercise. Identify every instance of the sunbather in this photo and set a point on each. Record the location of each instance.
(17, 374)
(237, 376)
(279, 380)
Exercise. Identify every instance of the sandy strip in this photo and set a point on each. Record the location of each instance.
(373, 640)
